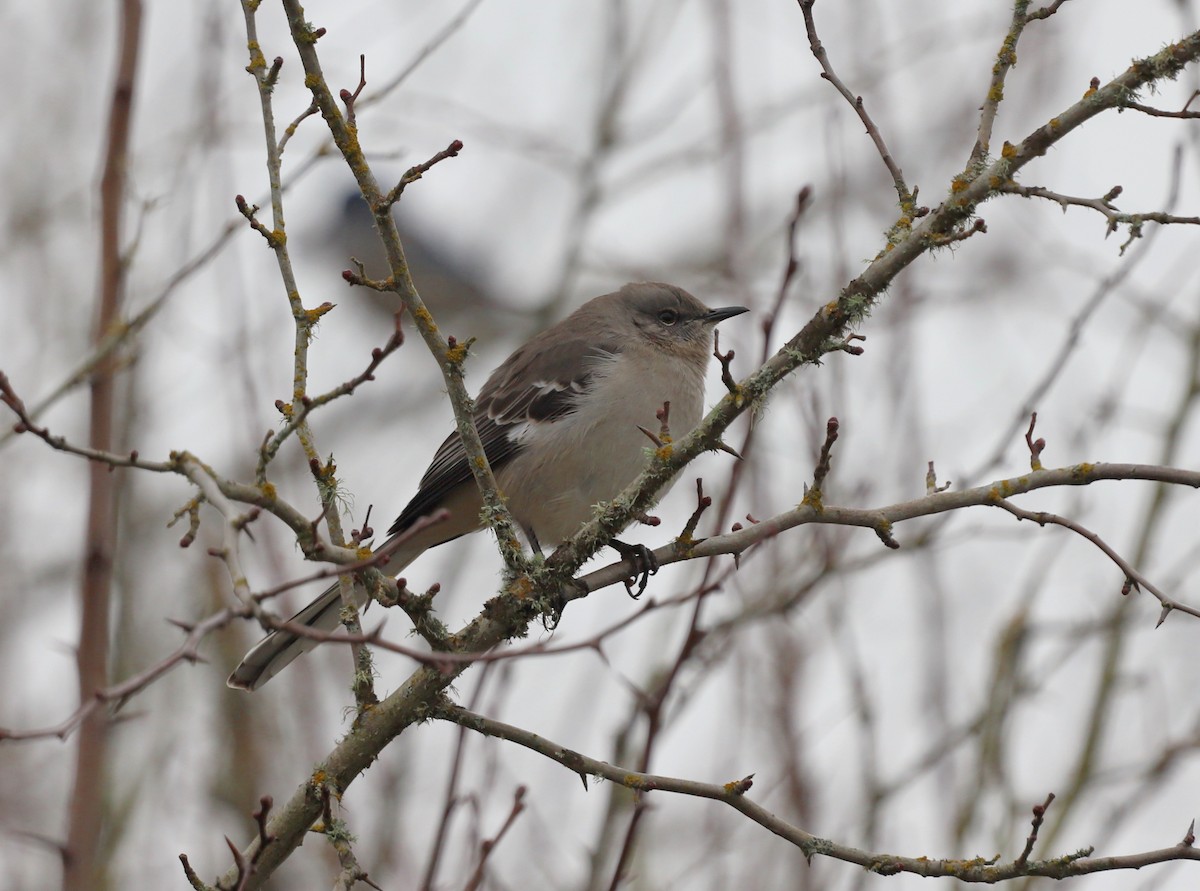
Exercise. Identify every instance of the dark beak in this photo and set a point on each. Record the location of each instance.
(719, 315)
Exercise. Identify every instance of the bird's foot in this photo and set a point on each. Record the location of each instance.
(645, 564)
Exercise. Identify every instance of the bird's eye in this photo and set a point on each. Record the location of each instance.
(668, 317)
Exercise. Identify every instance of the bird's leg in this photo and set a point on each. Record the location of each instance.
(534, 544)
(645, 564)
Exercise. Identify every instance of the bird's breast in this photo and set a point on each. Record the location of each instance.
(569, 465)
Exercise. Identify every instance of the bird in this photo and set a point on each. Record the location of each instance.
(561, 421)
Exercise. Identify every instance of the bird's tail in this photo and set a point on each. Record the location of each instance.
(276, 651)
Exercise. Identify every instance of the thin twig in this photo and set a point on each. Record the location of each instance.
(1039, 814)
(905, 196)
(488, 845)
(417, 171)
(1183, 113)
(1132, 576)
(735, 794)
(1104, 205)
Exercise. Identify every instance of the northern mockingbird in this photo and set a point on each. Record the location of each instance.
(559, 420)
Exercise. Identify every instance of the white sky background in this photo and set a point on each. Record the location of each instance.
(951, 355)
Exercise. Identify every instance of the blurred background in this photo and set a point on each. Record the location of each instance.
(917, 702)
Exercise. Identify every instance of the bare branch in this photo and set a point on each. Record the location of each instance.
(1104, 205)
(1133, 578)
(1039, 814)
(416, 172)
(1183, 113)
(906, 197)
(489, 845)
(734, 794)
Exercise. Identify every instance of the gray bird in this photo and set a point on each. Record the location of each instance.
(559, 420)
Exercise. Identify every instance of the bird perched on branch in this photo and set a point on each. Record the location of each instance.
(562, 424)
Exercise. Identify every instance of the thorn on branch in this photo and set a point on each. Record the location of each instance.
(1036, 447)
(662, 439)
(653, 437)
(244, 869)
(738, 788)
(1189, 837)
(725, 447)
(240, 523)
(1166, 611)
(358, 536)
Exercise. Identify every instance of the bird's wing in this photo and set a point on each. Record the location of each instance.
(539, 383)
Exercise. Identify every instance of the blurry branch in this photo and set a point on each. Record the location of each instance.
(337, 833)
(130, 328)
(25, 424)
(438, 40)
(451, 796)
(83, 860)
(117, 695)
(489, 844)
(734, 794)
(589, 187)
(126, 332)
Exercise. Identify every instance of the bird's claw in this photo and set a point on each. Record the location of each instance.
(644, 562)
